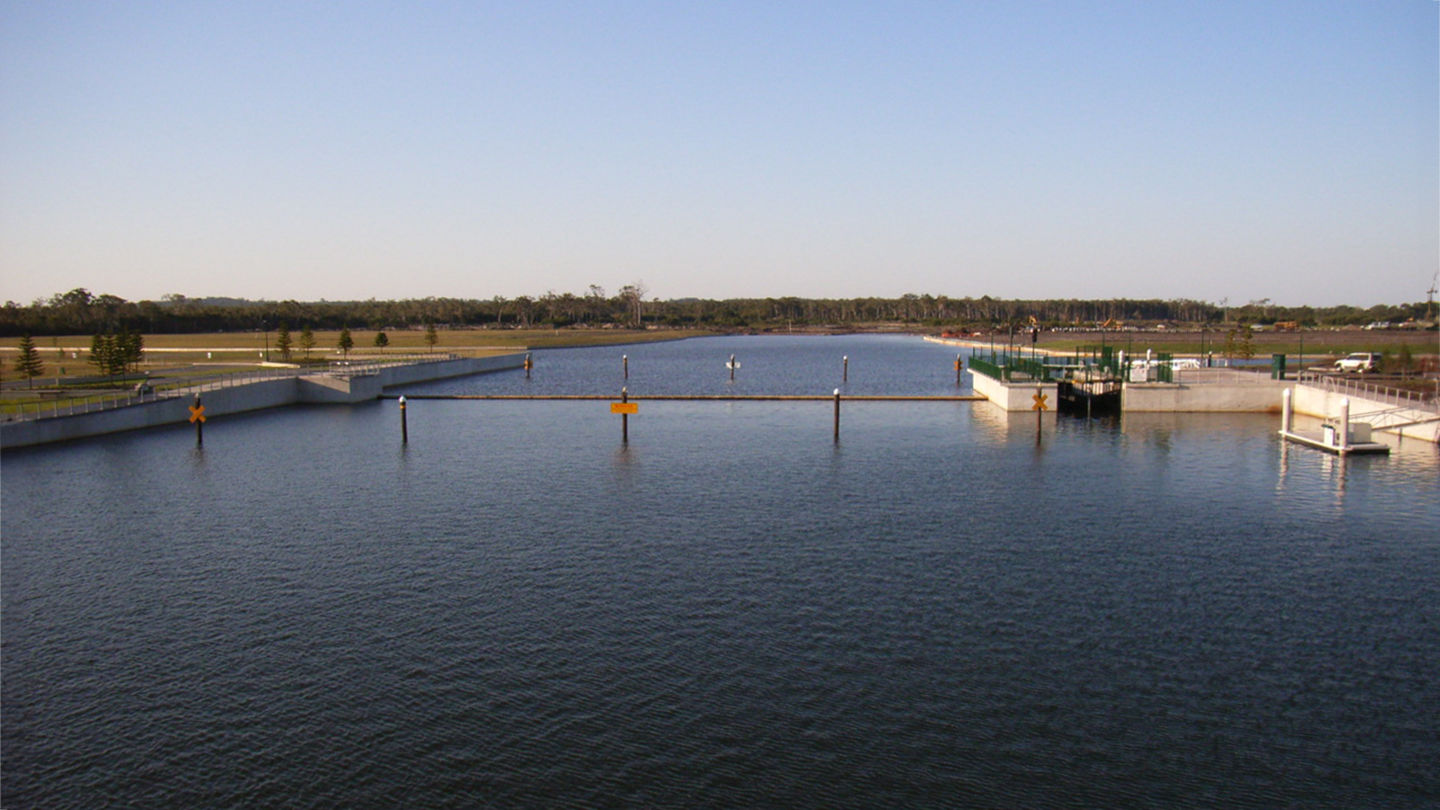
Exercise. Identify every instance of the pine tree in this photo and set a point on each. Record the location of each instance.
(381, 340)
(28, 362)
(1247, 342)
(346, 343)
(130, 350)
(430, 337)
(307, 341)
(282, 342)
(102, 353)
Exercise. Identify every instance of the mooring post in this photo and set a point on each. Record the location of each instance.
(958, 365)
(197, 415)
(837, 414)
(1345, 423)
(404, 428)
(625, 365)
(528, 365)
(1285, 411)
(845, 369)
(1039, 410)
(731, 364)
(624, 418)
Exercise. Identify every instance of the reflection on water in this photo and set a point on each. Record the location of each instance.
(730, 610)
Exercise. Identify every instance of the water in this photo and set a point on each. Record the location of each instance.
(514, 610)
(769, 365)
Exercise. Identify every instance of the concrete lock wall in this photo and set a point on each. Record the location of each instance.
(1251, 397)
(317, 388)
(236, 399)
(1261, 396)
(1015, 396)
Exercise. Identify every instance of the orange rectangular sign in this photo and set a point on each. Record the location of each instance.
(624, 407)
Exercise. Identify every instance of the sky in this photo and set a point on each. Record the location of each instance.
(1217, 151)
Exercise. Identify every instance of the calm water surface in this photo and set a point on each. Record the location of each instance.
(731, 611)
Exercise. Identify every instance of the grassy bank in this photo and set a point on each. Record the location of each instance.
(1316, 343)
(67, 357)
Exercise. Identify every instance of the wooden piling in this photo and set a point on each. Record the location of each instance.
(625, 365)
(624, 418)
(731, 364)
(958, 367)
(529, 364)
(845, 369)
(837, 414)
(404, 427)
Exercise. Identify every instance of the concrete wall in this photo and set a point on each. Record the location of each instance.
(221, 401)
(406, 375)
(318, 388)
(322, 389)
(1016, 396)
(1262, 396)
(1326, 405)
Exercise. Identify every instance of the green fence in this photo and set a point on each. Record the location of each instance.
(987, 368)
(999, 366)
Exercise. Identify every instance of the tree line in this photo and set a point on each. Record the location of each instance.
(79, 311)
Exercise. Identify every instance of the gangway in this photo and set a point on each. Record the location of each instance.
(1391, 418)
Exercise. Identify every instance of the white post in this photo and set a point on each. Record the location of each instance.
(1285, 411)
(1345, 423)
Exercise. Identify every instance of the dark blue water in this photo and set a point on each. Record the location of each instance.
(732, 610)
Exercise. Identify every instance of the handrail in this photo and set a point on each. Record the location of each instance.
(1219, 376)
(1399, 397)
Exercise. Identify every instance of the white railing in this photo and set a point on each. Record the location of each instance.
(1398, 397)
(1219, 376)
(1401, 416)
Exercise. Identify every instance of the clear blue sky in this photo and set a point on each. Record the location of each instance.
(348, 150)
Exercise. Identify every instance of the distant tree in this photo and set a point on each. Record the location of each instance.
(28, 362)
(1404, 359)
(346, 343)
(1240, 342)
(633, 296)
(307, 340)
(283, 343)
(1247, 342)
(381, 340)
(129, 349)
(430, 337)
(103, 353)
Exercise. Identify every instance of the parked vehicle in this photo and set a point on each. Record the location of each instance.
(1358, 362)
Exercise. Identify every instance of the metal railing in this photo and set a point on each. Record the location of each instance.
(1219, 376)
(1006, 368)
(361, 367)
(1398, 397)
